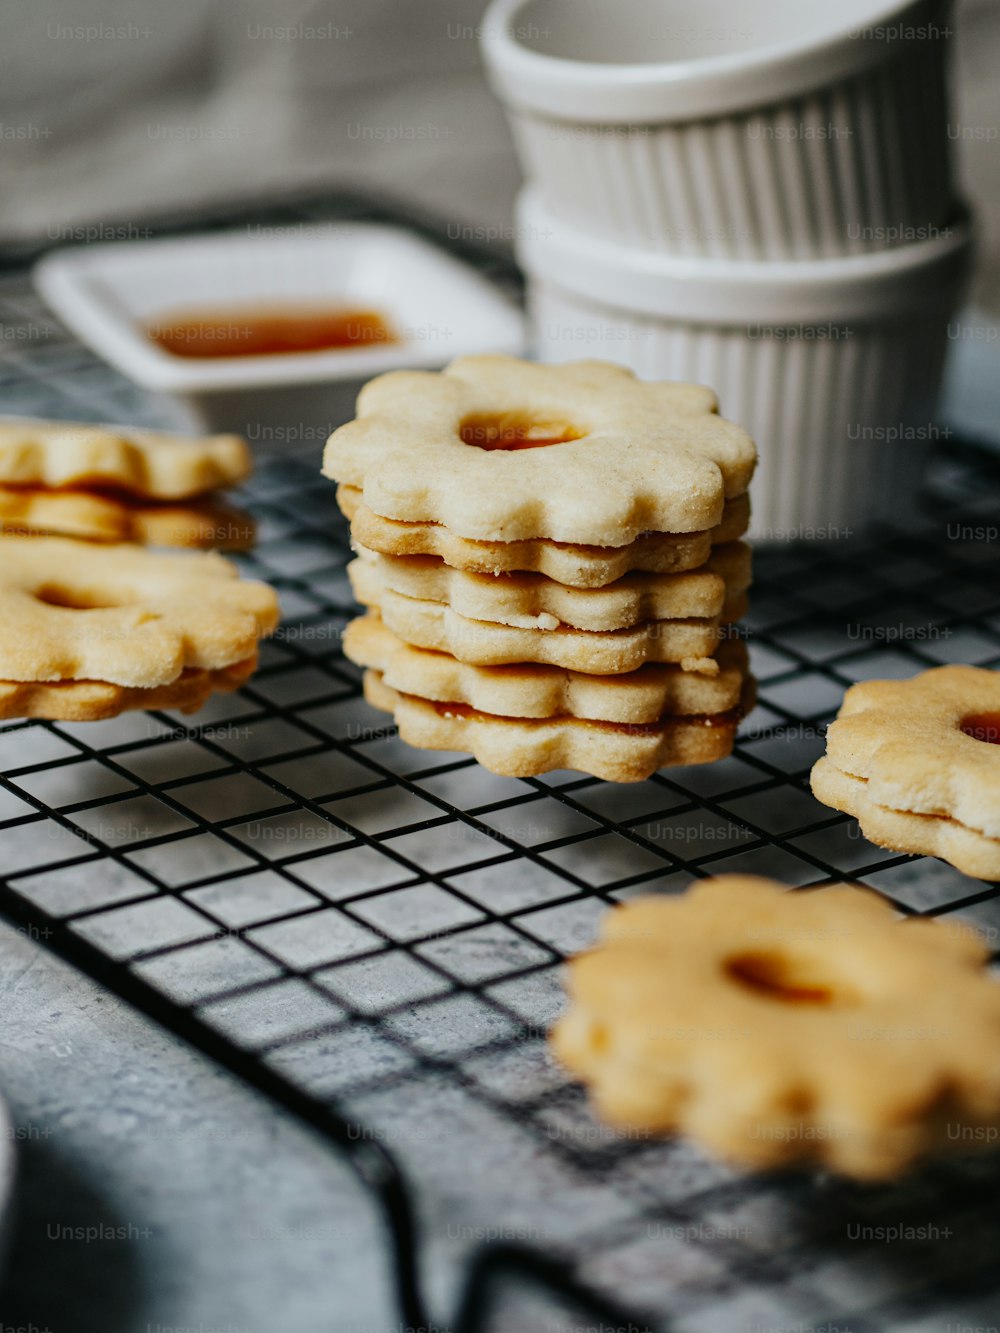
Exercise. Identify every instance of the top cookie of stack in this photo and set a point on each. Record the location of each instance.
(550, 558)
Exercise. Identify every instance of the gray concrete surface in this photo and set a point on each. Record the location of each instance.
(155, 1194)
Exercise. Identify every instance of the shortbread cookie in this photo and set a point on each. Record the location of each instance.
(525, 747)
(929, 748)
(924, 745)
(921, 835)
(692, 643)
(573, 565)
(532, 601)
(529, 690)
(74, 611)
(140, 462)
(206, 523)
(93, 701)
(775, 1026)
(503, 450)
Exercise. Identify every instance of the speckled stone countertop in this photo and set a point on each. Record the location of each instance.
(155, 1193)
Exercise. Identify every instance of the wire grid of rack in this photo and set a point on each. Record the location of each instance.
(373, 934)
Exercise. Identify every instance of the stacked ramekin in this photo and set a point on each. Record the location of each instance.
(757, 197)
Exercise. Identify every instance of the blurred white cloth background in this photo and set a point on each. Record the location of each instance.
(117, 108)
(113, 109)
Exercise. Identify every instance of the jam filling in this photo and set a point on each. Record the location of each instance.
(764, 975)
(268, 331)
(509, 430)
(72, 599)
(982, 727)
(727, 719)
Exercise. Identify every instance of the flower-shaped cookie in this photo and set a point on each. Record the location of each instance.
(95, 700)
(140, 462)
(524, 747)
(569, 563)
(497, 449)
(121, 614)
(692, 642)
(775, 1026)
(206, 522)
(918, 763)
(531, 690)
(532, 601)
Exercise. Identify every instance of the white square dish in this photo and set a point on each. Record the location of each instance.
(108, 295)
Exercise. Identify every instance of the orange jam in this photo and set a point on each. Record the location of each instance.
(267, 331)
(729, 719)
(508, 430)
(764, 975)
(982, 727)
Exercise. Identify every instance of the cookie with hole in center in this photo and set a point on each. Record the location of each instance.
(776, 1026)
(122, 614)
(917, 762)
(501, 450)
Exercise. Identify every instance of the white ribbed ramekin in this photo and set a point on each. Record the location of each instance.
(810, 131)
(833, 366)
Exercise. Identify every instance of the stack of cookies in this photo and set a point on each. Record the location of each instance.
(118, 484)
(92, 624)
(550, 560)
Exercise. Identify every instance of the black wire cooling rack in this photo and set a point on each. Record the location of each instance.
(372, 935)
